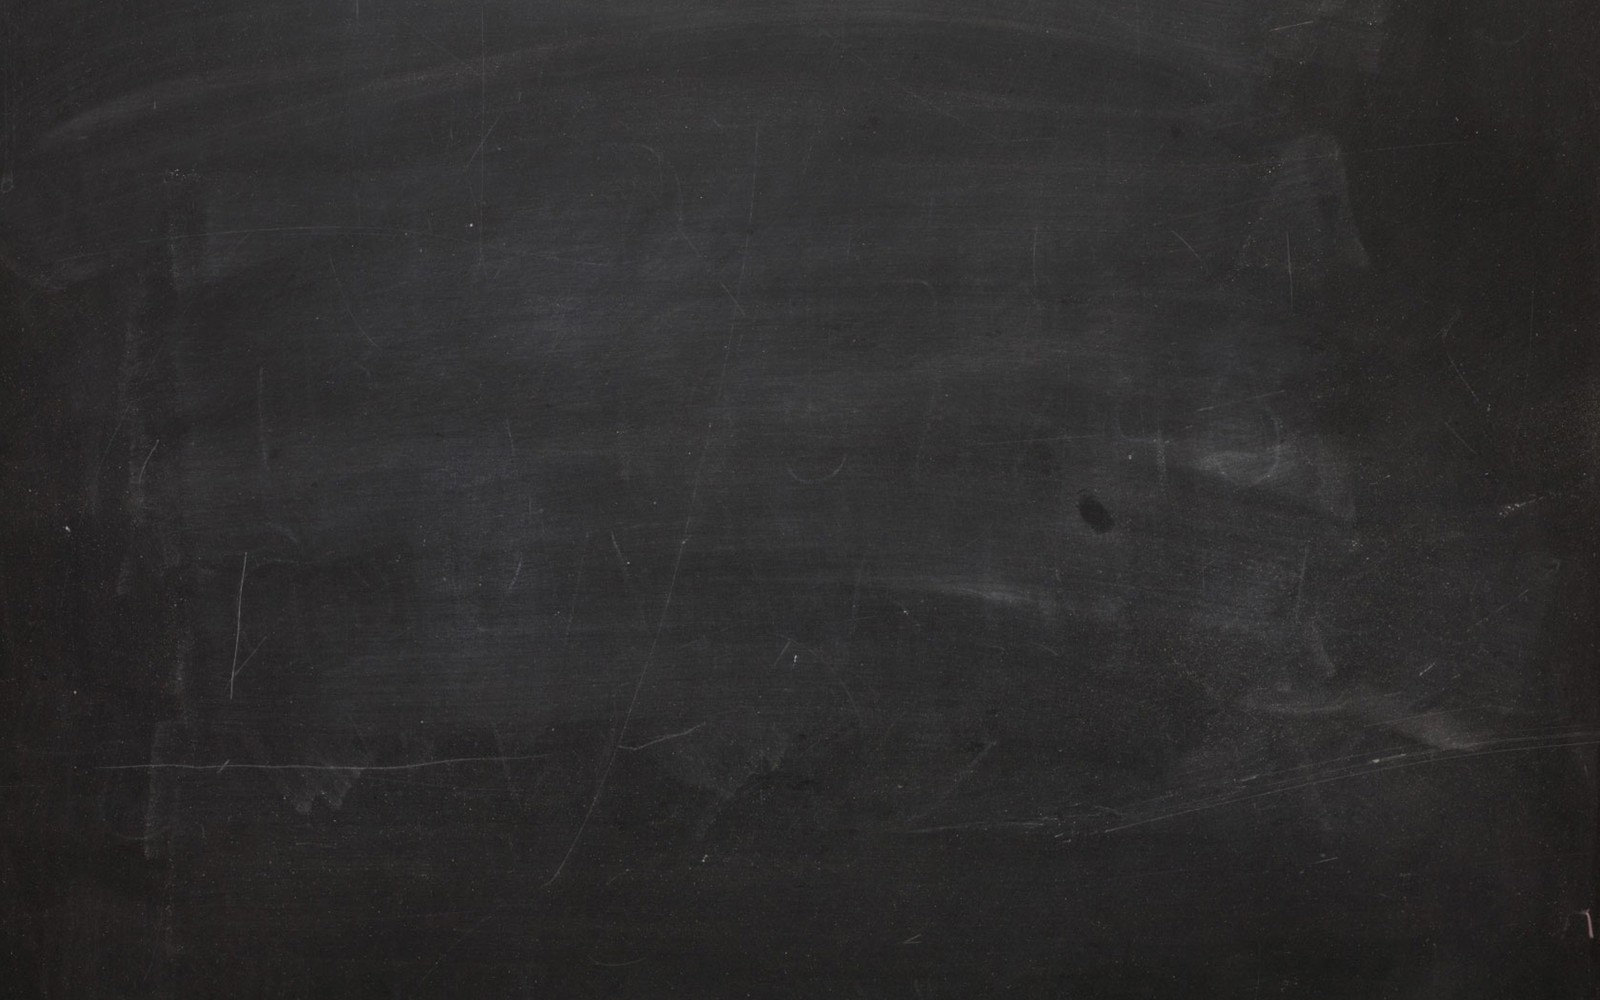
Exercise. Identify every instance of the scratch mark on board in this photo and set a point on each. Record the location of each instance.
(1300, 585)
(140, 477)
(238, 624)
(1036, 261)
(662, 739)
(261, 418)
(1459, 374)
(817, 482)
(1187, 247)
(245, 663)
(442, 762)
(755, 170)
(1477, 624)
(344, 300)
(577, 585)
(479, 149)
(1288, 261)
(677, 562)
(1378, 765)
(919, 98)
(1457, 435)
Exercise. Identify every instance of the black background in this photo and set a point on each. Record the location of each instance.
(825, 499)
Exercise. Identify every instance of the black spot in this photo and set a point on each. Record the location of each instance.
(1094, 514)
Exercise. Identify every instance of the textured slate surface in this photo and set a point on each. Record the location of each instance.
(899, 499)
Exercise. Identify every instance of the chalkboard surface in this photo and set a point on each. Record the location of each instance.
(907, 498)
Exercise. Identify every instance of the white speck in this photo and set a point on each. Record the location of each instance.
(68, 527)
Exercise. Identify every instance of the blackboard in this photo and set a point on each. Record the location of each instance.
(908, 498)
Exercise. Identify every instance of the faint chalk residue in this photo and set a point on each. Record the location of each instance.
(1512, 508)
(1358, 27)
(1364, 706)
(729, 752)
(1308, 197)
(1248, 456)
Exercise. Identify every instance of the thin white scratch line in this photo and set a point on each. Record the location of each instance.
(817, 482)
(1457, 434)
(755, 167)
(514, 574)
(1288, 260)
(663, 739)
(1300, 587)
(683, 541)
(1464, 382)
(896, 84)
(684, 235)
(318, 767)
(344, 300)
(638, 685)
(246, 661)
(483, 140)
(1496, 611)
(583, 557)
(1411, 145)
(961, 775)
(1353, 772)
(1247, 399)
(491, 911)
(140, 477)
(1449, 325)
(111, 440)
(238, 624)
(1187, 246)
